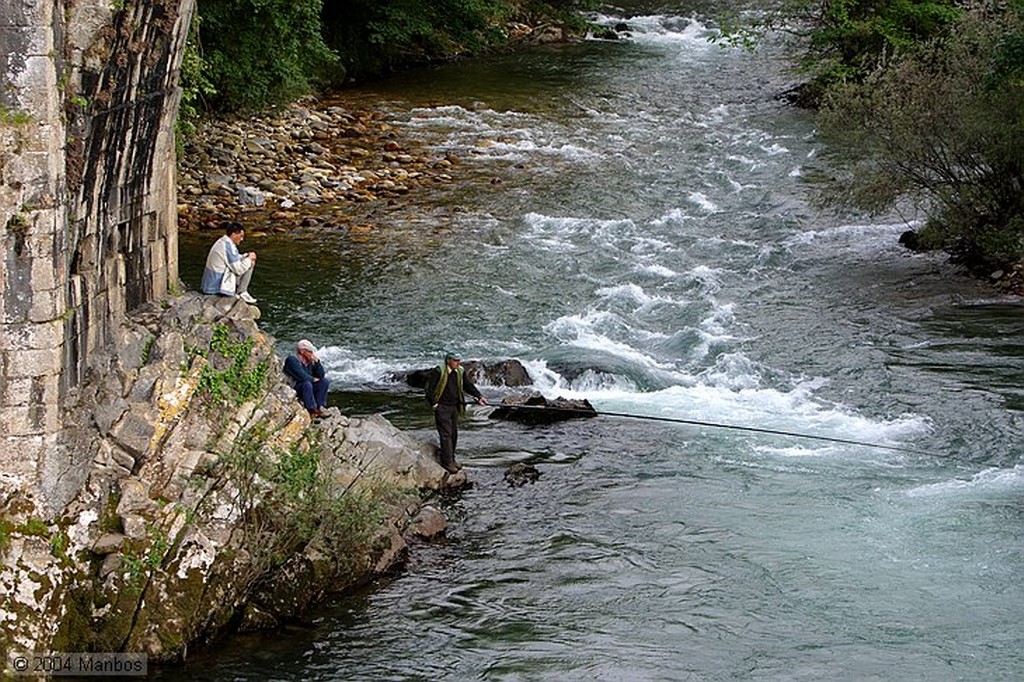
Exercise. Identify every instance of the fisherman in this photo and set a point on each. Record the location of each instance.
(446, 387)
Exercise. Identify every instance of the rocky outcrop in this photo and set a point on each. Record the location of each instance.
(211, 501)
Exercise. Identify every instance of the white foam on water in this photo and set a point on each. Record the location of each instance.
(991, 480)
(635, 293)
(873, 235)
(660, 30)
(488, 135)
(793, 411)
(701, 201)
(655, 270)
(676, 216)
(730, 393)
(775, 150)
(523, 149)
(567, 233)
(346, 368)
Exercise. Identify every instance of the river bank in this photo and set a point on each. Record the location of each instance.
(212, 504)
(311, 164)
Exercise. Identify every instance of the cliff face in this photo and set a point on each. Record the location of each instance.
(158, 482)
(87, 198)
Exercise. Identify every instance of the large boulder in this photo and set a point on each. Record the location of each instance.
(536, 409)
(509, 373)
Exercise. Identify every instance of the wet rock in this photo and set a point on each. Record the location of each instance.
(509, 373)
(520, 474)
(910, 240)
(536, 409)
(428, 524)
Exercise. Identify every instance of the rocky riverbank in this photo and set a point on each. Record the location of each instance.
(212, 503)
(307, 164)
(315, 164)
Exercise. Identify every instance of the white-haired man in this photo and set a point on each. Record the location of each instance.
(311, 384)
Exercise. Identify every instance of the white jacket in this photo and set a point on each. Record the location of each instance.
(224, 265)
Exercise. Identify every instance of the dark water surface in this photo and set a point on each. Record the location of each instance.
(635, 226)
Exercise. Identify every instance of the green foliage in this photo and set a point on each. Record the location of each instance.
(143, 557)
(147, 349)
(6, 530)
(248, 54)
(373, 37)
(196, 87)
(260, 52)
(14, 117)
(35, 526)
(229, 374)
(287, 502)
(845, 40)
(943, 126)
(59, 543)
(852, 37)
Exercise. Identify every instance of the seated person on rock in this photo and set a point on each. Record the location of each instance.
(306, 370)
(227, 271)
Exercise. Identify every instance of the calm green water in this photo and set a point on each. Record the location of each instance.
(651, 247)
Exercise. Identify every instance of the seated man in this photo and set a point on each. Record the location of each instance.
(306, 370)
(227, 271)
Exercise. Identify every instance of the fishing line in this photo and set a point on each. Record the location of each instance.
(717, 425)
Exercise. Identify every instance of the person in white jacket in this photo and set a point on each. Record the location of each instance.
(227, 271)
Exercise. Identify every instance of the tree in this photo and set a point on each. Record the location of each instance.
(259, 52)
(944, 126)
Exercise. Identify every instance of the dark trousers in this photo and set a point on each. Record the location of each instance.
(313, 394)
(446, 419)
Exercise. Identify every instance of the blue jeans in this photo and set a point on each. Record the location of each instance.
(313, 394)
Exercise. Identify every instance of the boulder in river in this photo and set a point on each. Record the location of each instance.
(503, 373)
(520, 474)
(536, 409)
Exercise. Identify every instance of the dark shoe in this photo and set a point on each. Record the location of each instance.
(316, 414)
(452, 467)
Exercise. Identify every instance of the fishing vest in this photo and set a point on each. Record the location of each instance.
(443, 381)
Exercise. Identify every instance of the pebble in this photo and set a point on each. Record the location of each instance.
(264, 169)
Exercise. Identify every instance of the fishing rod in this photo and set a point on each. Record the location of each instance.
(717, 425)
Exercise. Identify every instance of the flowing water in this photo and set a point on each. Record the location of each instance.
(633, 222)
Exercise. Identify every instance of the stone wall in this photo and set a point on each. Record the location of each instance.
(88, 97)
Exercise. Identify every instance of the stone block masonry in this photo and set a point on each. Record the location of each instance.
(89, 96)
(140, 506)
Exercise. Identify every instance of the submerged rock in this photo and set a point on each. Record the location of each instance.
(520, 474)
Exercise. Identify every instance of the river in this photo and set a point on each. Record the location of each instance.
(633, 221)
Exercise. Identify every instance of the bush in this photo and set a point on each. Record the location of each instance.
(944, 127)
